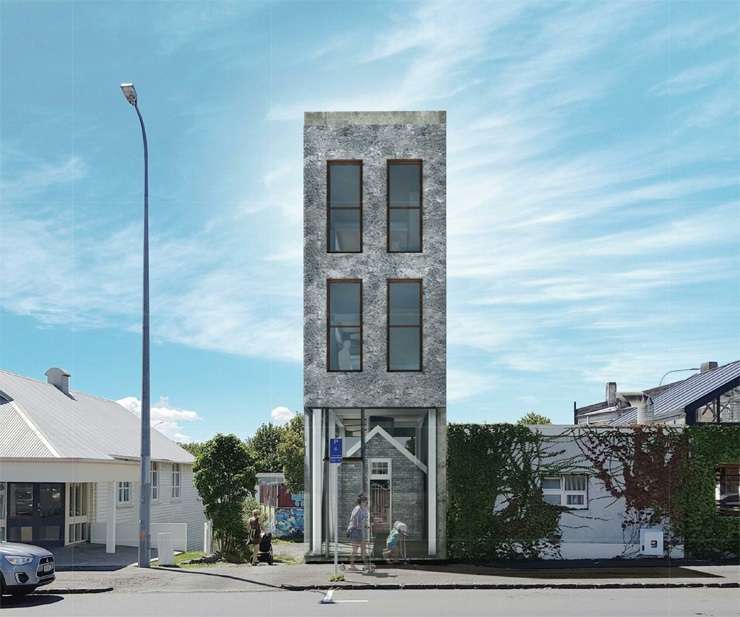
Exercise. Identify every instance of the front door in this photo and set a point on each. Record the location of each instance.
(36, 513)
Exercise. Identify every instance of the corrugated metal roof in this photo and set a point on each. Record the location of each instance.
(628, 417)
(685, 392)
(17, 436)
(78, 426)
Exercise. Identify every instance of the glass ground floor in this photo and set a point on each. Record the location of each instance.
(390, 456)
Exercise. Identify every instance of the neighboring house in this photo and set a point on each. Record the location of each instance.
(710, 396)
(281, 509)
(375, 325)
(69, 470)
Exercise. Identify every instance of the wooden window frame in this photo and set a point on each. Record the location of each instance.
(329, 283)
(329, 208)
(176, 487)
(388, 327)
(127, 489)
(563, 492)
(388, 206)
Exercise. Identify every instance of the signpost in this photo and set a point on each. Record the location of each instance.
(335, 457)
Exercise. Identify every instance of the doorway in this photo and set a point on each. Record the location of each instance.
(36, 513)
(380, 503)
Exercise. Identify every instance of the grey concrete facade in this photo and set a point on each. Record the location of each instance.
(375, 139)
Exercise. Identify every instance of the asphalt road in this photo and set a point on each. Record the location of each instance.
(525, 603)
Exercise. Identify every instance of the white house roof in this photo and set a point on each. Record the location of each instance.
(676, 397)
(40, 421)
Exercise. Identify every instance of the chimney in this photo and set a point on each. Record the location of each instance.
(611, 393)
(708, 366)
(59, 378)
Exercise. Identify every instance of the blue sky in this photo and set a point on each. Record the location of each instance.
(593, 192)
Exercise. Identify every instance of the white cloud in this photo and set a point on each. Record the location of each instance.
(462, 384)
(281, 415)
(692, 79)
(164, 418)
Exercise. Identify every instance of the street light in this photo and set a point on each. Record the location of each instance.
(145, 501)
(677, 370)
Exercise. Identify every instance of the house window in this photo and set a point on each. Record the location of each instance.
(154, 478)
(124, 492)
(404, 207)
(78, 499)
(176, 481)
(724, 409)
(344, 206)
(380, 468)
(568, 490)
(344, 325)
(404, 325)
(727, 491)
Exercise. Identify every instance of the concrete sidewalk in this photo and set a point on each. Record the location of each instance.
(234, 578)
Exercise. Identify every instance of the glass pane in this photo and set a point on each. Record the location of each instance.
(404, 303)
(575, 500)
(552, 499)
(51, 500)
(344, 304)
(345, 185)
(404, 350)
(344, 349)
(551, 483)
(2, 501)
(349, 429)
(729, 406)
(575, 483)
(21, 500)
(404, 184)
(404, 233)
(344, 230)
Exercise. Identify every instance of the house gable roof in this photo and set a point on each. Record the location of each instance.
(678, 396)
(380, 431)
(40, 421)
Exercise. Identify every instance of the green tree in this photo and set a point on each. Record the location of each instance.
(263, 447)
(534, 418)
(291, 454)
(224, 475)
(194, 447)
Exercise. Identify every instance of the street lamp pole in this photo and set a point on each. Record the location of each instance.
(145, 500)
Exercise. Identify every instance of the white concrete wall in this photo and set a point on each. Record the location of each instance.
(187, 509)
(595, 532)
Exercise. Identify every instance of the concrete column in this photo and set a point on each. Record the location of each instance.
(110, 523)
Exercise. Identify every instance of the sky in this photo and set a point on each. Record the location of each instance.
(593, 192)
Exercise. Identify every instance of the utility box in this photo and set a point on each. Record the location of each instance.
(651, 542)
(165, 551)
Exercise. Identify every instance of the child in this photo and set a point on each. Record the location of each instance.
(393, 543)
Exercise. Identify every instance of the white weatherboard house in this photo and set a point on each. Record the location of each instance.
(69, 470)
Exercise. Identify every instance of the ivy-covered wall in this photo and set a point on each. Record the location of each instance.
(709, 534)
(495, 506)
(659, 475)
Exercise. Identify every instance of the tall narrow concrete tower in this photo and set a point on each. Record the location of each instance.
(375, 326)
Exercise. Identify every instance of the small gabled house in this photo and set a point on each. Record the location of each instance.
(69, 470)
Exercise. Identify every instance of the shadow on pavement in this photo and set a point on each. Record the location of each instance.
(611, 572)
(29, 601)
(218, 575)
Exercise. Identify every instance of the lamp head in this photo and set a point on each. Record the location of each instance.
(129, 92)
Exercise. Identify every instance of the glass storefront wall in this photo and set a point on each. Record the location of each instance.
(385, 457)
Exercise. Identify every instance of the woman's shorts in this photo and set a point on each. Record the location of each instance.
(355, 535)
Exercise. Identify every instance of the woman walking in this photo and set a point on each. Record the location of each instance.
(359, 522)
(254, 529)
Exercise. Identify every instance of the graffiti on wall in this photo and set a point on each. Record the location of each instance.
(289, 522)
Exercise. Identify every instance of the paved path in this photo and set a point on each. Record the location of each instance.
(541, 603)
(265, 578)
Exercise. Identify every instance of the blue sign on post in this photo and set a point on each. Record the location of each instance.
(335, 450)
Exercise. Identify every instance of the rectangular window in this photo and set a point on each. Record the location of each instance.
(344, 325)
(404, 325)
(404, 206)
(154, 475)
(344, 206)
(176, 481)
(727, 492)
(3, 507)
(124, 492)
(568, 490)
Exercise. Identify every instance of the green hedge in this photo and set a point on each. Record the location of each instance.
(707, 533)
(495, 505)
